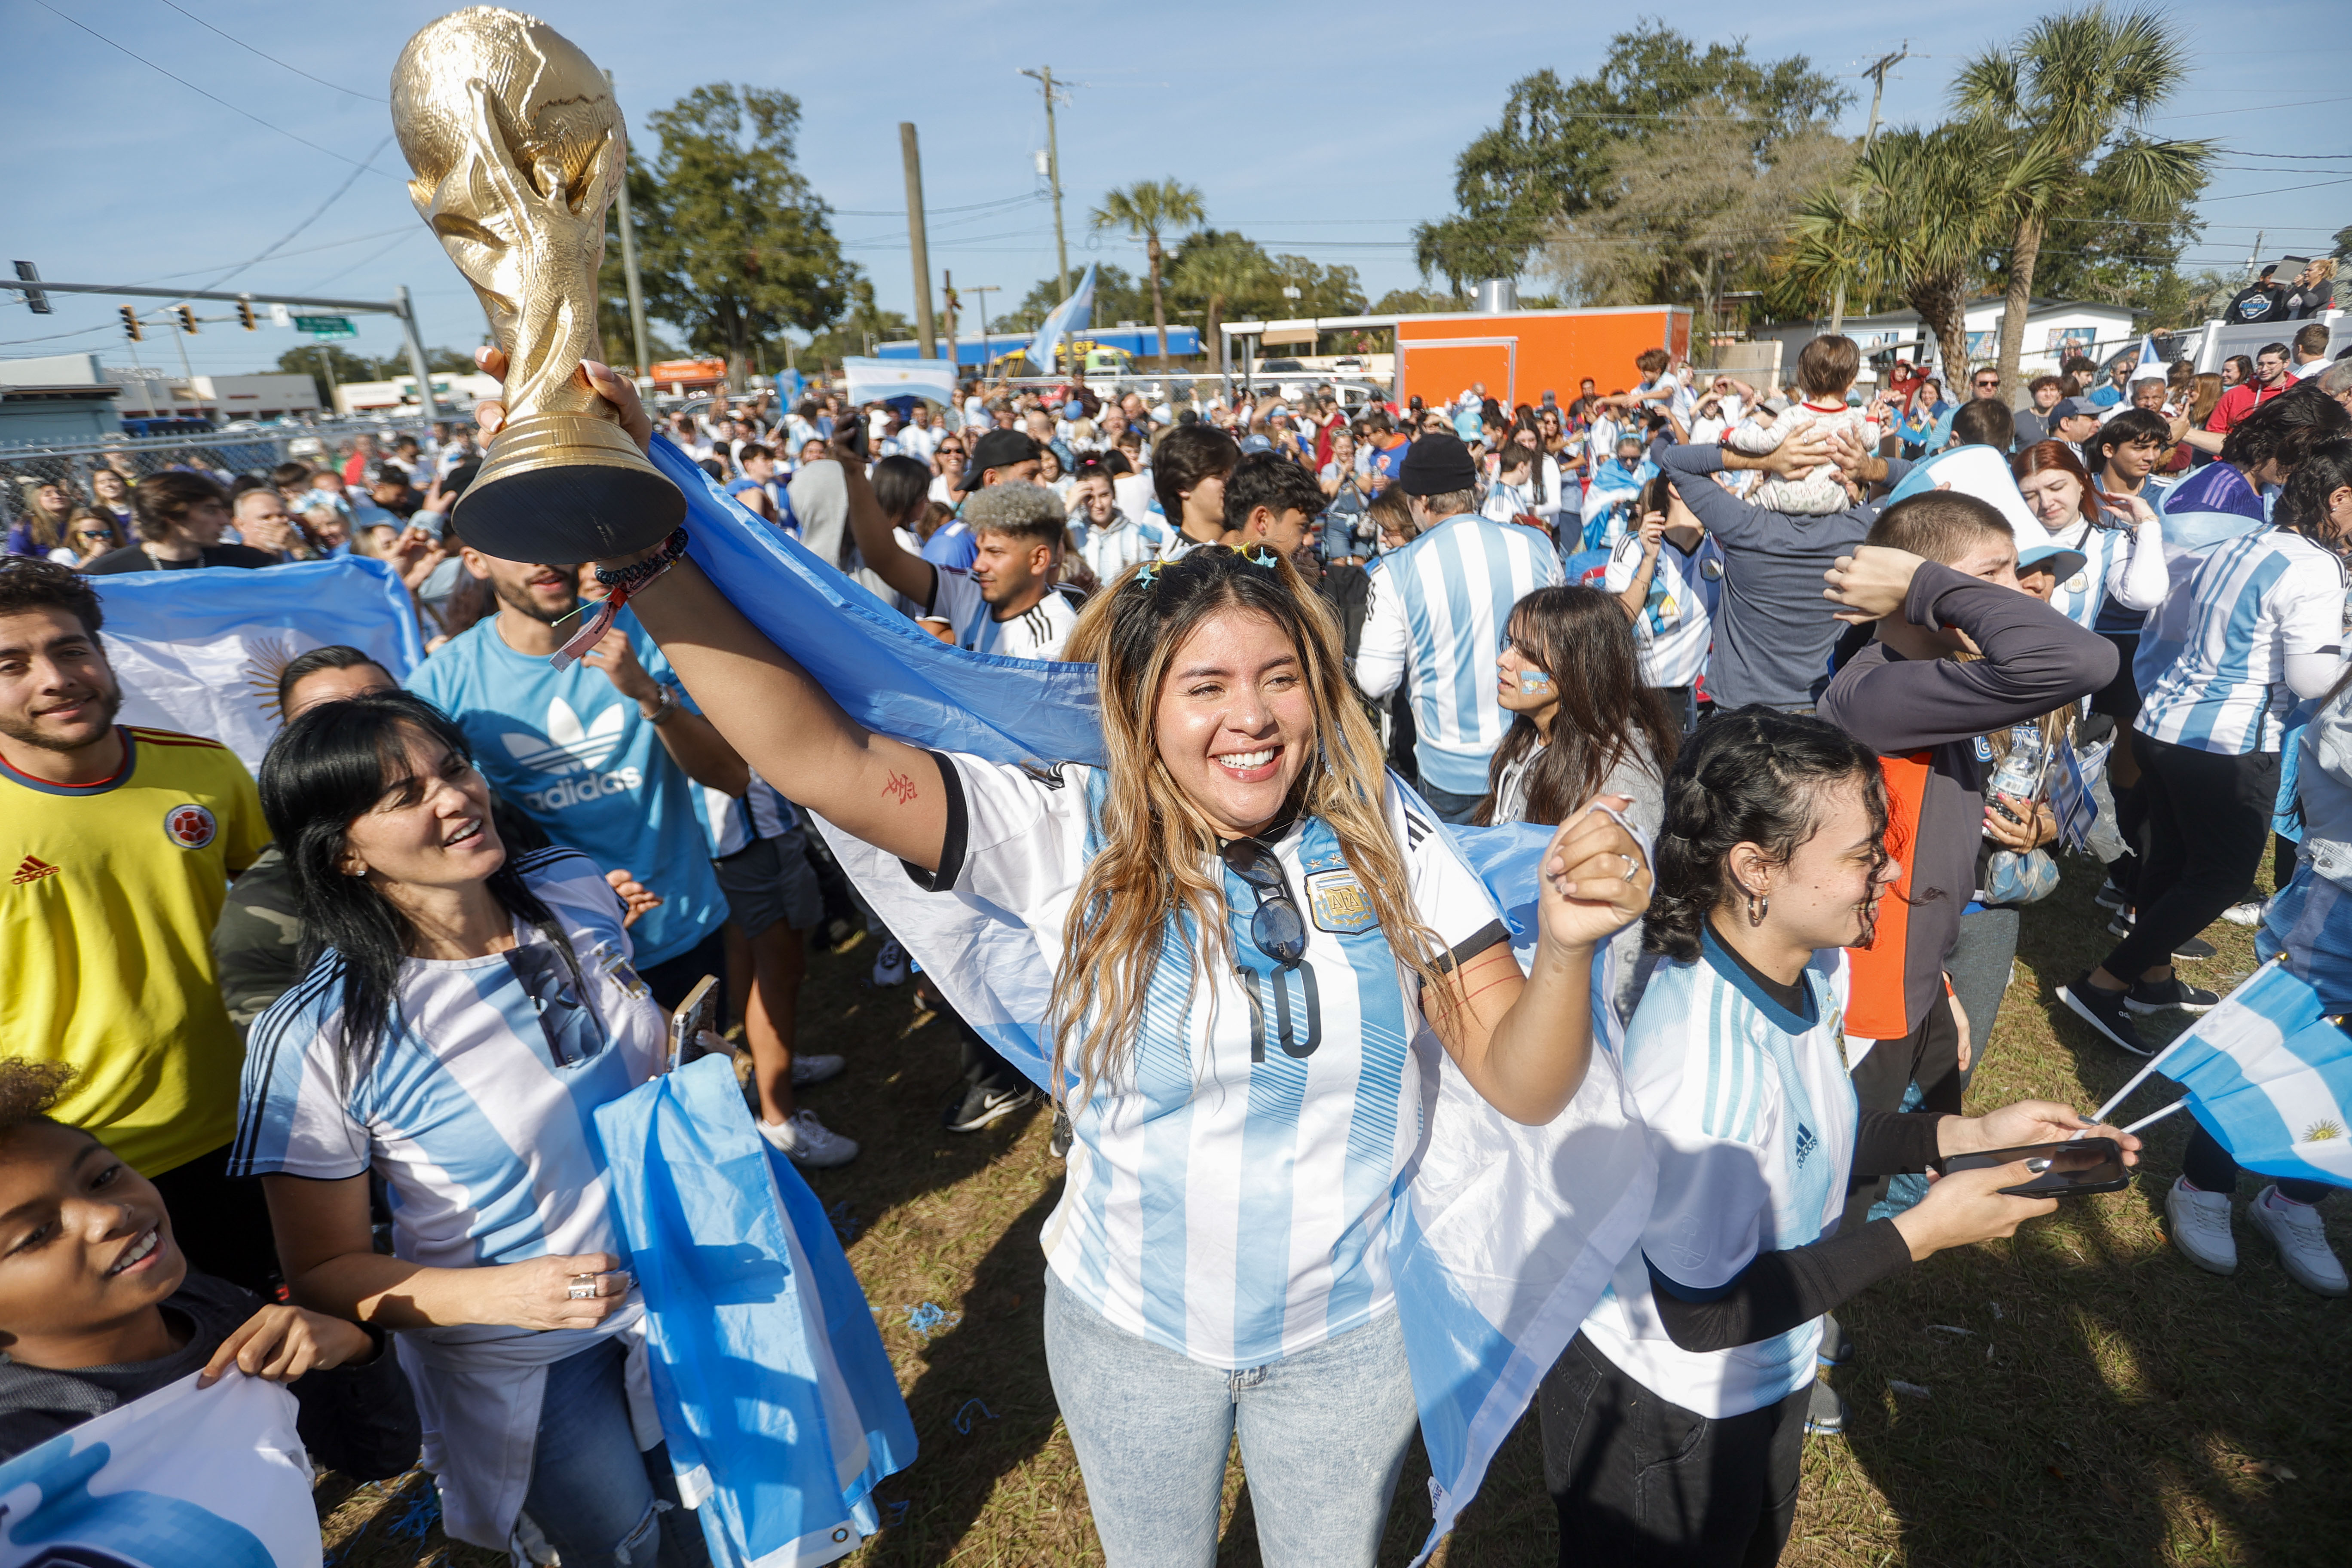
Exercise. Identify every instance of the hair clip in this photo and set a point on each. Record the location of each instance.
(1258, 555)
(1146, 575)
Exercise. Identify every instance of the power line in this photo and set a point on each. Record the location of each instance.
(976, 207)
(2280, 191)
(363, 260)
(273, 59)
(286, 255)
(319, 212)
(191, 87)
(2250, 108)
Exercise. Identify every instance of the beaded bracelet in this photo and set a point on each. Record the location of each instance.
(619, 584)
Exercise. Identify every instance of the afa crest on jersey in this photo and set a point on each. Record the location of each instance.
(1337, 902)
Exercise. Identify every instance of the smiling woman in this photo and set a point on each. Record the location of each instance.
(464, 1015)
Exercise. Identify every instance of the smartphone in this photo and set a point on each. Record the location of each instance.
(855, 439)
(2003, 806)
(698, 1012)
(2073, 1170)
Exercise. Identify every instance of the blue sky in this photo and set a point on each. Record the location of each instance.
(1329, 135)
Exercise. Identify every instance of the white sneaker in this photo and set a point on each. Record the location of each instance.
(890, 966)
(816, 1069)
(2249, 913)
(809, 1141)
(2201, 1227)
(2301, 1242)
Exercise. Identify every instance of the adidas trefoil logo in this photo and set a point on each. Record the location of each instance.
(570, 746)
(33, 869)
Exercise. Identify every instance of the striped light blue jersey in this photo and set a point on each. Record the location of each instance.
(1751, 1115)
(2230, 627)
(477, 1106)
(1676, 626)
(1230, 1181)
(1439, 606)
(1124, 542)
(2108, 556)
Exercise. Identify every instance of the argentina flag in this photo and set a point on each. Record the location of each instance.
(1074, 314)
(2270, 1077)
(185, 1475)
(201, 651)
(1501, 1237)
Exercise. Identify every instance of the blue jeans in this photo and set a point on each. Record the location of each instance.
(1323, 1435)
(599, 1502)
(1449, 806)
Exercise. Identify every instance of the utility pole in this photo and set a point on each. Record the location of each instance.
(629, 262)
(2254, 257)
(948, 298)
(983, 290)
(916, 240)
(1877, 75)
(1054, 175)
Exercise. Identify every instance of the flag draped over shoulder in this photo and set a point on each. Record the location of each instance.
(777, 1399)
(1074, 314)
(201, 651)
(2271, 1079)
(1502, 1237)
(212, 1476)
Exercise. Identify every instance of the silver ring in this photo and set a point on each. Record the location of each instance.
(583, 1287)
(1632, 866)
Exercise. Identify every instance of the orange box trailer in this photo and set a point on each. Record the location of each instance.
(1522, 354)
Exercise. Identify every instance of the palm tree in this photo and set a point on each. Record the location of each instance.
(1144, 209)
(1217, 275)
(2069, 97)
(1921, 211)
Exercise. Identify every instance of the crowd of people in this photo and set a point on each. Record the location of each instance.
(1796, 679)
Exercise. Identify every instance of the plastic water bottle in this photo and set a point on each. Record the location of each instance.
(2021, 768)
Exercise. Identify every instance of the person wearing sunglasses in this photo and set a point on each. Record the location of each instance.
(467, 1011)
(1257, 942)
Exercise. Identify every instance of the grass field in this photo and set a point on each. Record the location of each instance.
(2090, 1398)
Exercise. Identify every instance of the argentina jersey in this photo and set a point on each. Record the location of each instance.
(2082, 597)
(1037, 632)
(477, 1105)
(1111, 550)
(1438, 606)
(1674, 628)
(1230, 1181)
(1751, 1115)
(2229, 629)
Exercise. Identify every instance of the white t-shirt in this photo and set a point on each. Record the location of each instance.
(1120, 544)
(1751, 1115)
(1037, 632)
(477, 1106)
(1229, 1190)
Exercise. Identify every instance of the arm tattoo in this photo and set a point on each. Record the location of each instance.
(901, 787)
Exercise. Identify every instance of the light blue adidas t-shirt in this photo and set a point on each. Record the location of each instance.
(573, 754)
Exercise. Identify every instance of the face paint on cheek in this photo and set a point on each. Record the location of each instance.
(1534, 683)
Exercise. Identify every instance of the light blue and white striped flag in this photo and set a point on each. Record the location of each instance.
(1074, 315)
(199, 651)
(2148, 358)
(1503, 1237)
(2271, 1077)
(2071, 798)
(871, 380)
(212, 1476)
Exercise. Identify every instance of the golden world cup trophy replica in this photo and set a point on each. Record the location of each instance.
(518, 148)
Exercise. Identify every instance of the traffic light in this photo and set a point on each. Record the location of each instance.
(244, 314)
(187, 314)
(130, 325)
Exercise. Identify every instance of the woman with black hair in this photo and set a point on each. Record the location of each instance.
(1674, 1421)
(1584, 725)
(463, 1013)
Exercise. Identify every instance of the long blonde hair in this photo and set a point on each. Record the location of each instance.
(1154, 890)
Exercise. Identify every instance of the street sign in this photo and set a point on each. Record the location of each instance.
(326, 326)
(279, 316)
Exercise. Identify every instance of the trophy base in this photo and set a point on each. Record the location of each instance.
(559, 489)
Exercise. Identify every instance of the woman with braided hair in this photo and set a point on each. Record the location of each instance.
(1674, 1421)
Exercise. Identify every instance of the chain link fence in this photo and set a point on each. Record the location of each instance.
(223, 454)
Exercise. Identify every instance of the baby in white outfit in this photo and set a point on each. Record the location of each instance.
(1825, 373)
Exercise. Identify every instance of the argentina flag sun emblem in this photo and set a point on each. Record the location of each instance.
(1337, 903)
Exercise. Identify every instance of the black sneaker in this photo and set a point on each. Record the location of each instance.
(2109, 896)
(2109, 1011)
(1063, 1133)
(1824, 1411)
(2155, 996)
(2193, 947)
(1835, 1348)
(976, 1105)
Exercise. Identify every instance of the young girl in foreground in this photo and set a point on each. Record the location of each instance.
(1673, 1422)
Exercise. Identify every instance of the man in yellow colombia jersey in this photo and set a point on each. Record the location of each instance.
(116, 847)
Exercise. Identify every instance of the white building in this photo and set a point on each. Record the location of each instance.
(221, 398)
(2053, 328)
(456, 391)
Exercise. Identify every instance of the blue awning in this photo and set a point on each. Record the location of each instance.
(1141, 342)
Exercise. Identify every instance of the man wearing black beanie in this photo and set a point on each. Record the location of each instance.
(1438, 608)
